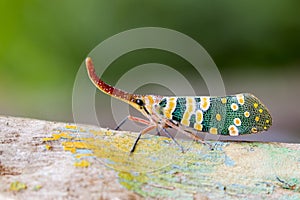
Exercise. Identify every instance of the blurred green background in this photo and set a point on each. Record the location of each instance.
(255, 44)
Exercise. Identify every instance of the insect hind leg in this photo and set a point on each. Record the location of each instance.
(158, 132)
(190, 134)
(175, 141)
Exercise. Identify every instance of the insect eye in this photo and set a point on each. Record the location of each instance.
(139, 102)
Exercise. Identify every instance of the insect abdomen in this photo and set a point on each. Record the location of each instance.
(230, 115)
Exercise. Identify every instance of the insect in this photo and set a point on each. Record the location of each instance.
(228, 115)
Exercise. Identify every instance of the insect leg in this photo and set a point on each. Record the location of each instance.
(157, 132)
(121, 123)
(135, 119)
(188, 133)
(169, 135)
(144, 131)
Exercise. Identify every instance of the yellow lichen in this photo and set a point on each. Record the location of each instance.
(83, 155)
(65, 135)
(114, 149)
(48, 139)
(17, 186)
(71, 149)
(48, 147)
(37, 187)
(126, 175)
(71, 127)
(82, 163)
(77, 144)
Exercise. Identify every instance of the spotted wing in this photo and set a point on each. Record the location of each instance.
(229, 115)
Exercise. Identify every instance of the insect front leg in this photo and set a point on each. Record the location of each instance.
(135, 119)
(160, 120)
(144, 131)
